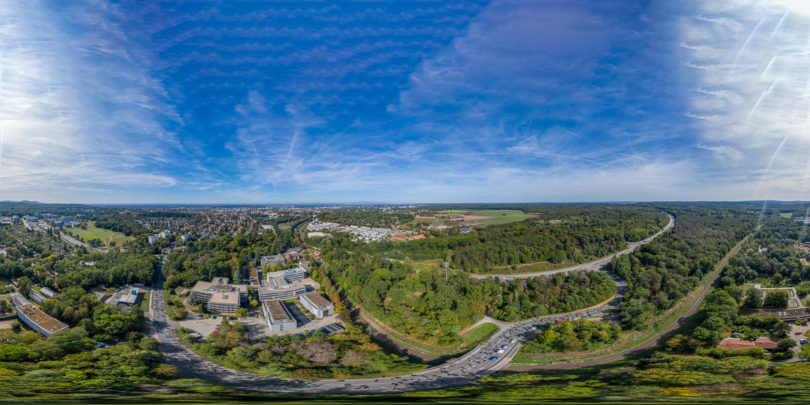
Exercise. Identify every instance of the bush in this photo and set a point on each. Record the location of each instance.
(776, 299)
(782, 356)
(177, 314)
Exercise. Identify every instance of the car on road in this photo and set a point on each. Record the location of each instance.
(803, 342)
(493, 358)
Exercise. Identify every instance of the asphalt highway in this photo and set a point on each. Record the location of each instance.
(494, 354)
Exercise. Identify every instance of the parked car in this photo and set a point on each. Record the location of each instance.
(803, 341)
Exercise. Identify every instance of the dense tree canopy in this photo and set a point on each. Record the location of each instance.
(660, 273)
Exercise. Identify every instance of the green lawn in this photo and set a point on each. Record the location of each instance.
(92, 232)
(787, 215)
(479, 334)
(427, 264)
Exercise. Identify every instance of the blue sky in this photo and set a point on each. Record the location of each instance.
(409, 101)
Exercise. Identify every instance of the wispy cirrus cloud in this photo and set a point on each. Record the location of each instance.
(79, 112)
(506, 100)
(749, 73)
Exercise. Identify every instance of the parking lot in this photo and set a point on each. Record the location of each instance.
(797, 334)
(256, 327)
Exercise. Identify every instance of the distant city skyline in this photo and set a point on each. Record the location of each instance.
(407, 102)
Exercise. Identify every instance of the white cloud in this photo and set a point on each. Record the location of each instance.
(750, 95)
(79, 111)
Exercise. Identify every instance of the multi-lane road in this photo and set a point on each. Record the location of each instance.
(492, 355)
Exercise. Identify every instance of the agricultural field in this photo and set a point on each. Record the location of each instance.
(93, 232)
(475, 217)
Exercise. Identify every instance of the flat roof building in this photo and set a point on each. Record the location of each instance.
(129, 297)
(277, 315)
(280, 289)
(295, 274)
(34, 317)
(332, 328)
(224, 303)
(317, 304)
(36, 296)
(220, 291)
(47, 292)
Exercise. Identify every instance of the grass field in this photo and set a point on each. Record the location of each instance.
(536, 267)
(787, 215)
(427, 264)
(92, 232)
(499, 216)
(477, 335)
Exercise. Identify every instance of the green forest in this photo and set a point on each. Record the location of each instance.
(662, 272)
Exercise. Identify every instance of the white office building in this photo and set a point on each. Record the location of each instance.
(317, 304)
(277, 315)
(34, 317)
(280, 289)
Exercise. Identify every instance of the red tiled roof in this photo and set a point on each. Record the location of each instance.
(766, 343)
(737, 343)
